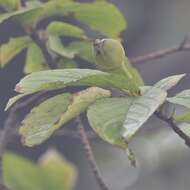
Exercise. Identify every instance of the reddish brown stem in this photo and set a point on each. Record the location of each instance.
(162, 53)
(90, 155)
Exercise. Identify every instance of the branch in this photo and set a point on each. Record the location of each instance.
(171, 123)
(35, 37)
(184, 46)
(90, 155)
(12, 119)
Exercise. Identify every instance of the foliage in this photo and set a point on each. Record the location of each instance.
(50, 115)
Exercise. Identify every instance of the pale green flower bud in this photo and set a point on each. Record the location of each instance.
(109, 54)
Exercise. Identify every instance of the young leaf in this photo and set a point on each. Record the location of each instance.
(34, 59)
(169, 82)
(43, 120)
(12, 48)
(82, 49)
(141, 109)
(182, 98)
(39, 123)
(106, 14)
(185, 117)
(106, 117)
(21, 174)
(64, 29)
(55, 44)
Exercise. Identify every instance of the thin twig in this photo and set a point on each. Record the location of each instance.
(74, 134)
(90, 155)
(184, 46)
(171, 123)
(12, 121)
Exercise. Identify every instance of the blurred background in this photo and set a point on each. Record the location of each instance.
(163, 159)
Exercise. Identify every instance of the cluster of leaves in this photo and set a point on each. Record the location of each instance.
(99, 16)
(115, 119)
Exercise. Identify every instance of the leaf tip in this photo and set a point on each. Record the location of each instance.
(18, 88)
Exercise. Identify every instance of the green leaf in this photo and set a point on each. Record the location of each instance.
(10, 4)
(115, 118)
(100, 16)
(12, 48)
(43, 120)
(83, 49)
(81, 102)
(64, 29)
(39, 123)
(106, 117)
(14, 100)
(55, 44)
(185, 117)
(136, 77)
(57, 79)
(6, 16)
(52, 172)
(182, 98)
(169, 82)
(34, 59)
(141, 109)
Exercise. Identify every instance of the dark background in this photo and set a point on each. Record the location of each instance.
(163, 159)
